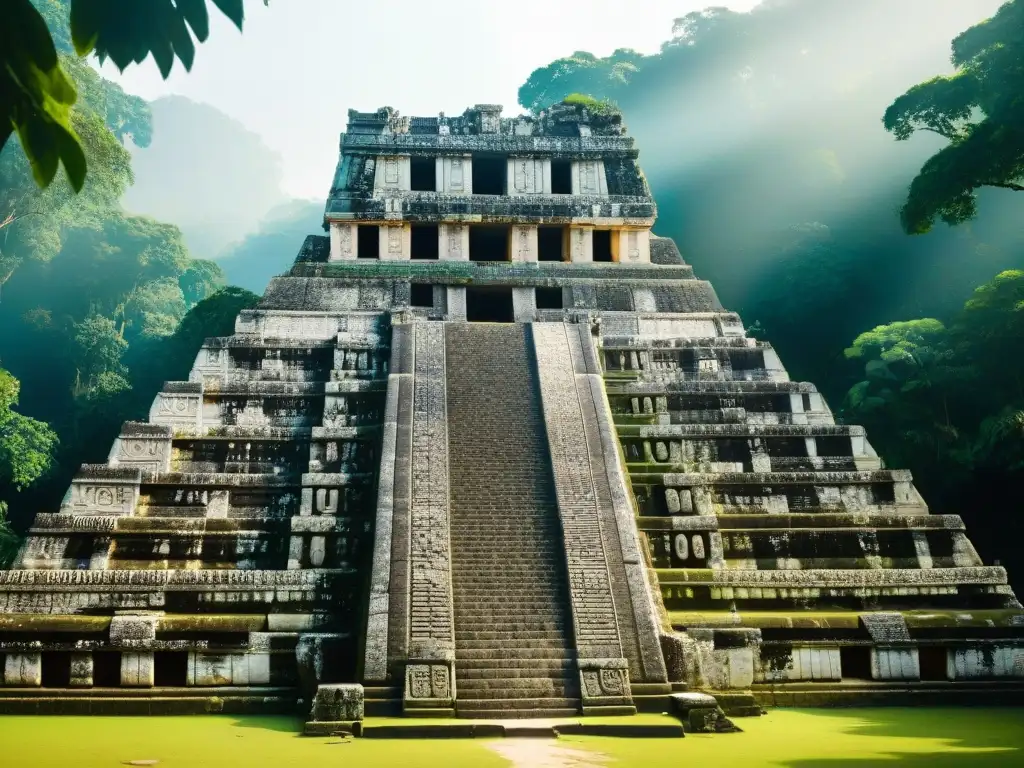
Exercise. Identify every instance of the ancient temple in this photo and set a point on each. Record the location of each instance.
(491, 449)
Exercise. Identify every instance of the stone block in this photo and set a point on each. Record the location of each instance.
(102, 490)
(337, 702)
(23, 670)
(216, 669)
(986, 662)
(133, 631)
(895, 664)
(604, 681)
(137, 670)
(429, 684)
(81, 670)
(143, 446)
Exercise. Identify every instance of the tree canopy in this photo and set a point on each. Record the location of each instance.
(979, 110)
(26, 454)
(36, 91)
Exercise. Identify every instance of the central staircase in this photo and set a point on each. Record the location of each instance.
(513, 647)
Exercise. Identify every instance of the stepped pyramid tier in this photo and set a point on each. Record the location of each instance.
(490, 449)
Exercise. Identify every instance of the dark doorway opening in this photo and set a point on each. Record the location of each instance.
(603, 245)
(550, 243)
(488, 242)
(367, 241)
(56, 670)
(933, 663)
(489, 305)
(424, 241)
(106, 669)
(423, 174)
(489, 175)
(549, 298)
(422, 295)
(855, 662)
(561, 177)
(170, 668)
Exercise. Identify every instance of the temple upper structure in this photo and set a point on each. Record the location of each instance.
(491, 449)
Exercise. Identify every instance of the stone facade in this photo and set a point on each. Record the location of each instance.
(491, 448)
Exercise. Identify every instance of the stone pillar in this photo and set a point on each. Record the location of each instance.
(133, 634)
(344, 239)
(529, 176)
(524, 304)
(523, 245)
(895, 664)
(455, 302)
(588, 177)
(634, 246)
(395, 241)
(453, 242)
(393, 173)
(581, 244)
(455, 175)
(137, 669)
(81, 670)
(23, 670)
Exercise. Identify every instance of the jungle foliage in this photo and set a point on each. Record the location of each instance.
(98, 306)
(760, 135)
(37, 90)
(979, 110)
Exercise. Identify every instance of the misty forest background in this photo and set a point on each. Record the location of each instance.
(761, 135)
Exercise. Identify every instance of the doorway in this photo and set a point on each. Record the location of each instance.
(489, 305)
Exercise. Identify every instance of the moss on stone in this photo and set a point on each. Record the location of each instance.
(37, 622)
(213, 623)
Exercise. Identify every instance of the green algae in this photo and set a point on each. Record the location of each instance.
(855, 738)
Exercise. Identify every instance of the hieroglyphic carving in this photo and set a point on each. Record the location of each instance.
(524, 250)
(523, 175)
(345, 241)
(633, 245)
(588, 178)
(457, 178)
(579, 249)
(419, 681)
(394, 240)
(391, 171)
(455, 241)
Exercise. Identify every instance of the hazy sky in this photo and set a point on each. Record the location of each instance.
(301, 65)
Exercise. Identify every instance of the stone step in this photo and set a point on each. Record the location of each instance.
(513, 642)
(507, 636)
(533, 692)
(482, 612)
(501, 629)
(472, 669)
(511, 714)
(504, 654)
(507, 599)
(526, 702)
(512, 682)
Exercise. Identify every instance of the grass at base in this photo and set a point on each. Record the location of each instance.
(785, 738)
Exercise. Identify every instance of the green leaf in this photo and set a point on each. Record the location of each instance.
(194, 12)
(233, 9)
(87, 18)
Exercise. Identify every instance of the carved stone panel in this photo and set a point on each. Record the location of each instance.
(428, 681)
